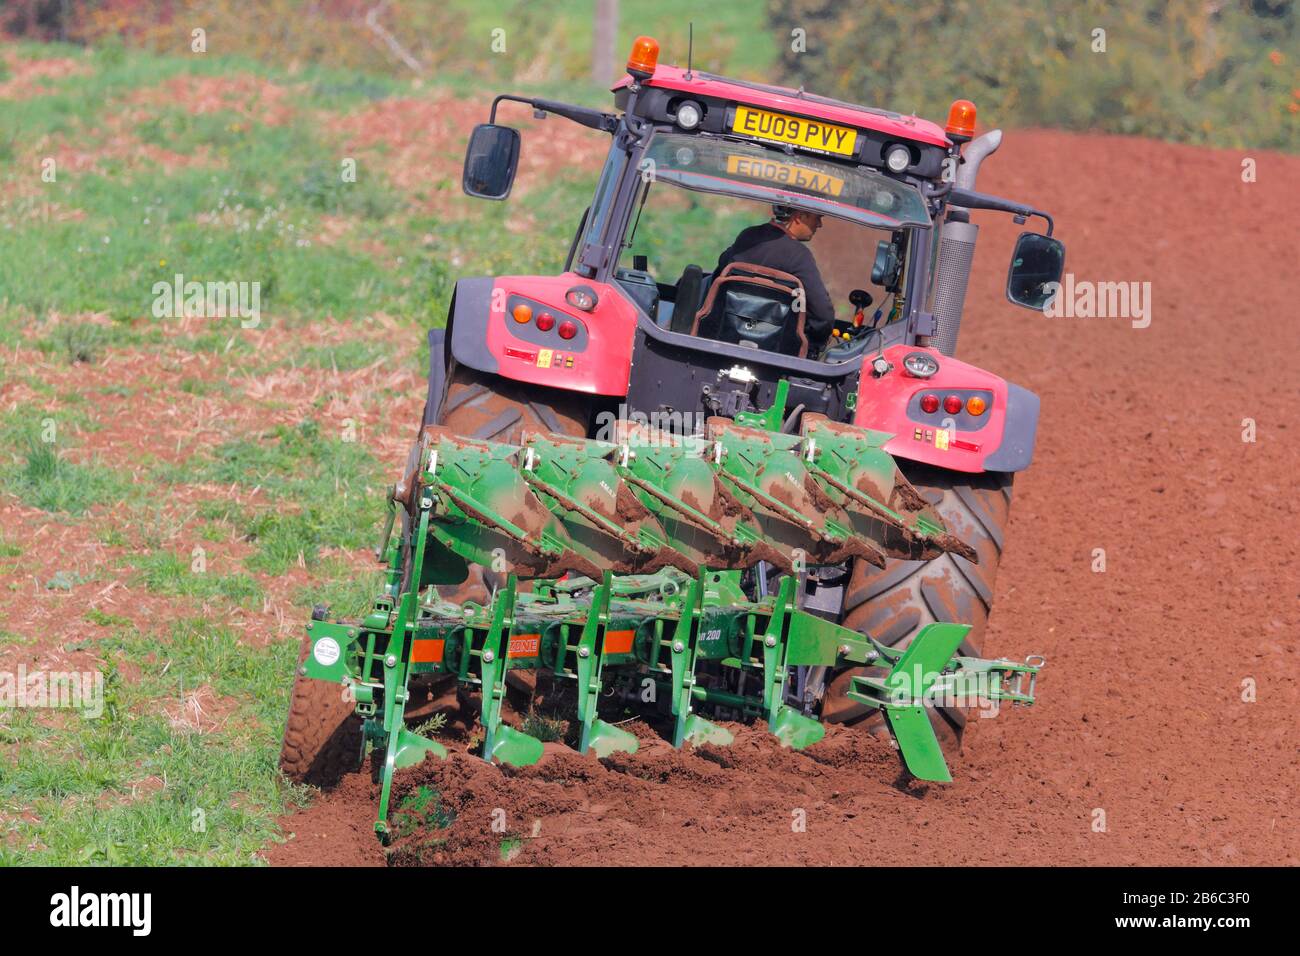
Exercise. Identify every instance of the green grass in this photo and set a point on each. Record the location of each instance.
(222, 792)
(9, 549)
(46, 479)
(542, 727)
(84, 341)
(171, 574)
(731, 36)
(347, 593)
(253, 206)
(325, 492)
(346, 356)
(250, 214)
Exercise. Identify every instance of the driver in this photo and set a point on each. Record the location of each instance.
(779, 244)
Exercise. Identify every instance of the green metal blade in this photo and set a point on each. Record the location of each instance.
(725, 501)
(413, 748)
(604, 739)
(700, 731)
(912, 729)
(515, 747)
(924, 660)
(795, 730)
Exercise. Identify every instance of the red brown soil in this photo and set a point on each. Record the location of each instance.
(158, 421)
(1141, 715)
(419, 143)
(25, 75)
(249, 96)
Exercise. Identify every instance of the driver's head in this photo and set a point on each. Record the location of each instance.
(797, 223)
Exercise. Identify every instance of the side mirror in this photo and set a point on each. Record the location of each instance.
(1036, 264)
(491, 161)
(884, 270)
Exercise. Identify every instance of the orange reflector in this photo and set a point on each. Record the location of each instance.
(524, 645)
(975, 405)
(522, 313)
(618, 642)
(426, 651)
(961, 118)
(644, 56)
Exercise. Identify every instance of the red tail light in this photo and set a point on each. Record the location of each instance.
(929, 404)
(567, 329)
(952, 404)
(546, 321)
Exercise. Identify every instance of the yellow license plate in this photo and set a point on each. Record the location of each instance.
(784, 174)
(796, 130)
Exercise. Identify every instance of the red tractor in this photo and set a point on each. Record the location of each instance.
(639, 328)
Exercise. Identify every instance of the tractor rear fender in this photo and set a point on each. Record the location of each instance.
(483, 332)
(1001, 438)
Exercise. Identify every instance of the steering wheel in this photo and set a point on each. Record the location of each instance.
(861, 300)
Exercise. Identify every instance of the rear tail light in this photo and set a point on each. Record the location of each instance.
(952, 404)
(546, 321)
(522, 313)
(976, 405)
(567, 329)
(929, 404)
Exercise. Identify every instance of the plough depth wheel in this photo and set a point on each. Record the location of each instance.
(322, 735)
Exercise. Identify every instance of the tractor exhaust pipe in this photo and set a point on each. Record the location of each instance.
(957, 249)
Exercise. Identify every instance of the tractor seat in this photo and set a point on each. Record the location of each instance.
(754, 305)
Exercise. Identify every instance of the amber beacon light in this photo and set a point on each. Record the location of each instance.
(644, 57)
(961, 120)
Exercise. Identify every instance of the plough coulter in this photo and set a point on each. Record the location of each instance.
(813, 538)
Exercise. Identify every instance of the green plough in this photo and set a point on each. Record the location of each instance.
(665, 574)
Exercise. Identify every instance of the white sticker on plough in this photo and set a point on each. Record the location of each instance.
(326, 651)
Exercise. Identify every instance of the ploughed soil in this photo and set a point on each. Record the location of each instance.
(1166, 731)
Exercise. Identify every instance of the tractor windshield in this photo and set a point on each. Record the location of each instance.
(749, 171)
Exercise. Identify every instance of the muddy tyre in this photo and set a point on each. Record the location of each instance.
(322, 735)
(491, 408)
(893, 604)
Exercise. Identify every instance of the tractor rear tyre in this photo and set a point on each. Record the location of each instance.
(322, 736)
(491, 408)
(894, 603)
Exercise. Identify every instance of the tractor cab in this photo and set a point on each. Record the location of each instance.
(732, 184)
(740, 149)
(694, 161)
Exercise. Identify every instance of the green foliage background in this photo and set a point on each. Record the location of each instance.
(1220, 72)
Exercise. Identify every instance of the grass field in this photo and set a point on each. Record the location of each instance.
(177, 491)
(726, 35)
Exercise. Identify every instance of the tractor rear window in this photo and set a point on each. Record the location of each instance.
(750, 171)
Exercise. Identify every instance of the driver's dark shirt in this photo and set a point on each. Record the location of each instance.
(768, 245)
